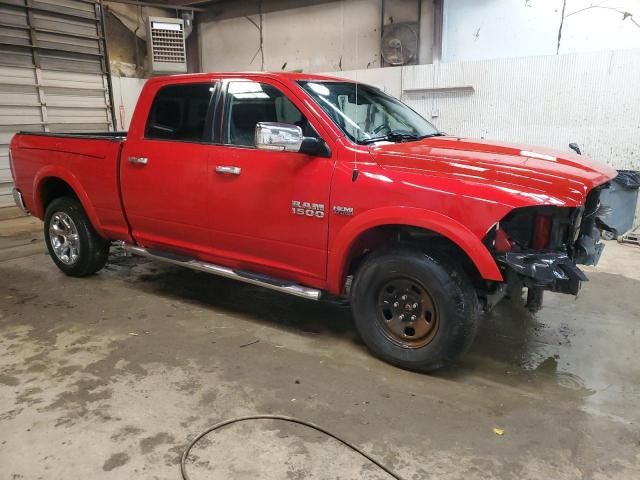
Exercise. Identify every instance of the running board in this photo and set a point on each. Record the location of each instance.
(265, 281)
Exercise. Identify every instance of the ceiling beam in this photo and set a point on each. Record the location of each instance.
(174, 5)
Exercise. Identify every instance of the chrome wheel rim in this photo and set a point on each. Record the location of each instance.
(64, 238)
(407, 313)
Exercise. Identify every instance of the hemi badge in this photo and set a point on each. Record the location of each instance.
(346, 211)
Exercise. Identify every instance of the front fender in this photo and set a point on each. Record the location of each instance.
(56, 171)
(413, 217)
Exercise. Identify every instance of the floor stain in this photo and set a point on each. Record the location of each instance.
(147, 445)
(125, 432)
(9, 380)
(116, 460)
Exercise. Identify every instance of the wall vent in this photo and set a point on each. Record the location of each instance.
(167, 53)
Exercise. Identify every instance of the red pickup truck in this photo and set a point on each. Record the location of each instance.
(307, 184)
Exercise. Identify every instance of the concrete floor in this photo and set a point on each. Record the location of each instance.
(109, 376)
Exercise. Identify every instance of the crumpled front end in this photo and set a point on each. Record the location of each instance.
(540, 247)
(546, 270)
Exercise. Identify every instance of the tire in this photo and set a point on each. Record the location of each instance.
(446, 316)
(78, 250)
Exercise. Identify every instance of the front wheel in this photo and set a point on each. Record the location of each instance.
(413, 310)
(74, 245)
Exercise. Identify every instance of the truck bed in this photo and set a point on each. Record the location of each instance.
(87, 162)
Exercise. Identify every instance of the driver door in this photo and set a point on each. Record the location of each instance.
(256, 197)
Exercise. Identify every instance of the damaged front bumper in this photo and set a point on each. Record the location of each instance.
(553, 271)
(572, 238)
(540, 247)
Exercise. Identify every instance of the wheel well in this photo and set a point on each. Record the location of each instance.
(53, 188)
(431, 242)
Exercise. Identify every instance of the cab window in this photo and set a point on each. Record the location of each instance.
(248, 103)
(179, 112)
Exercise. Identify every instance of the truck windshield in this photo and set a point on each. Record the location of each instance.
(366, 114)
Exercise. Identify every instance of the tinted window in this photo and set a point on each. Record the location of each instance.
(251, 102)
(179, 112)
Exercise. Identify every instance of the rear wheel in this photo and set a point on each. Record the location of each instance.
(74, 245)
(413, 310)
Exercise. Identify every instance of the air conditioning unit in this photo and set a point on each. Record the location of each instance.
(165, 45)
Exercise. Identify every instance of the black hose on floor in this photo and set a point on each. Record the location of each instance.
(283, 418)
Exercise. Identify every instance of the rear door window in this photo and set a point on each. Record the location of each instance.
(180, 112)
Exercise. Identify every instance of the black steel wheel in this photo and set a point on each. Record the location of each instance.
(414, 310)
(407, 312)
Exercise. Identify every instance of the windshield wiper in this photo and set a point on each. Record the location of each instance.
(395, 136)
(429, 135)
(391, 136)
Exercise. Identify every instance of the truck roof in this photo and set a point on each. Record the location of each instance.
(291, 76)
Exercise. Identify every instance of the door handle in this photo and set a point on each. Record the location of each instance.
(138, 160)
(227, 170)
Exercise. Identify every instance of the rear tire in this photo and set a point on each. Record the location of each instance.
(74, 245)
(414, 310)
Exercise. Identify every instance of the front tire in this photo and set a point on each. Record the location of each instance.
(414, 310)
(74, 245)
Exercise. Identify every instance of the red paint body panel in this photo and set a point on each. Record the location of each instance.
(90, 167)
(498, 170)
(459, 188)
(251, 219)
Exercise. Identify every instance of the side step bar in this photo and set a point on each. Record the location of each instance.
(243, 276)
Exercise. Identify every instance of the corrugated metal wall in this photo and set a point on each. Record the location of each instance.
(53, 72)
(592, 99)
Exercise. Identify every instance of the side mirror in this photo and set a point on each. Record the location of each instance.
(285, 137)
(278, 136)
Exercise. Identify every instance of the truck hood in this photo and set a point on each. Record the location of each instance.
(552, 177)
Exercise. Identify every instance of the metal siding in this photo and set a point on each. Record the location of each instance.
(12, 16)
(19, 110)
(590, 99)
(52, 72)
(14, 36)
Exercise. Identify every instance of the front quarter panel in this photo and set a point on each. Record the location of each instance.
(382, 197)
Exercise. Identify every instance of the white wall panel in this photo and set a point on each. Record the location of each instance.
(126, 91)
(478, 30)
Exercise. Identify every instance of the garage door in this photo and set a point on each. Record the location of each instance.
(53, 72)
